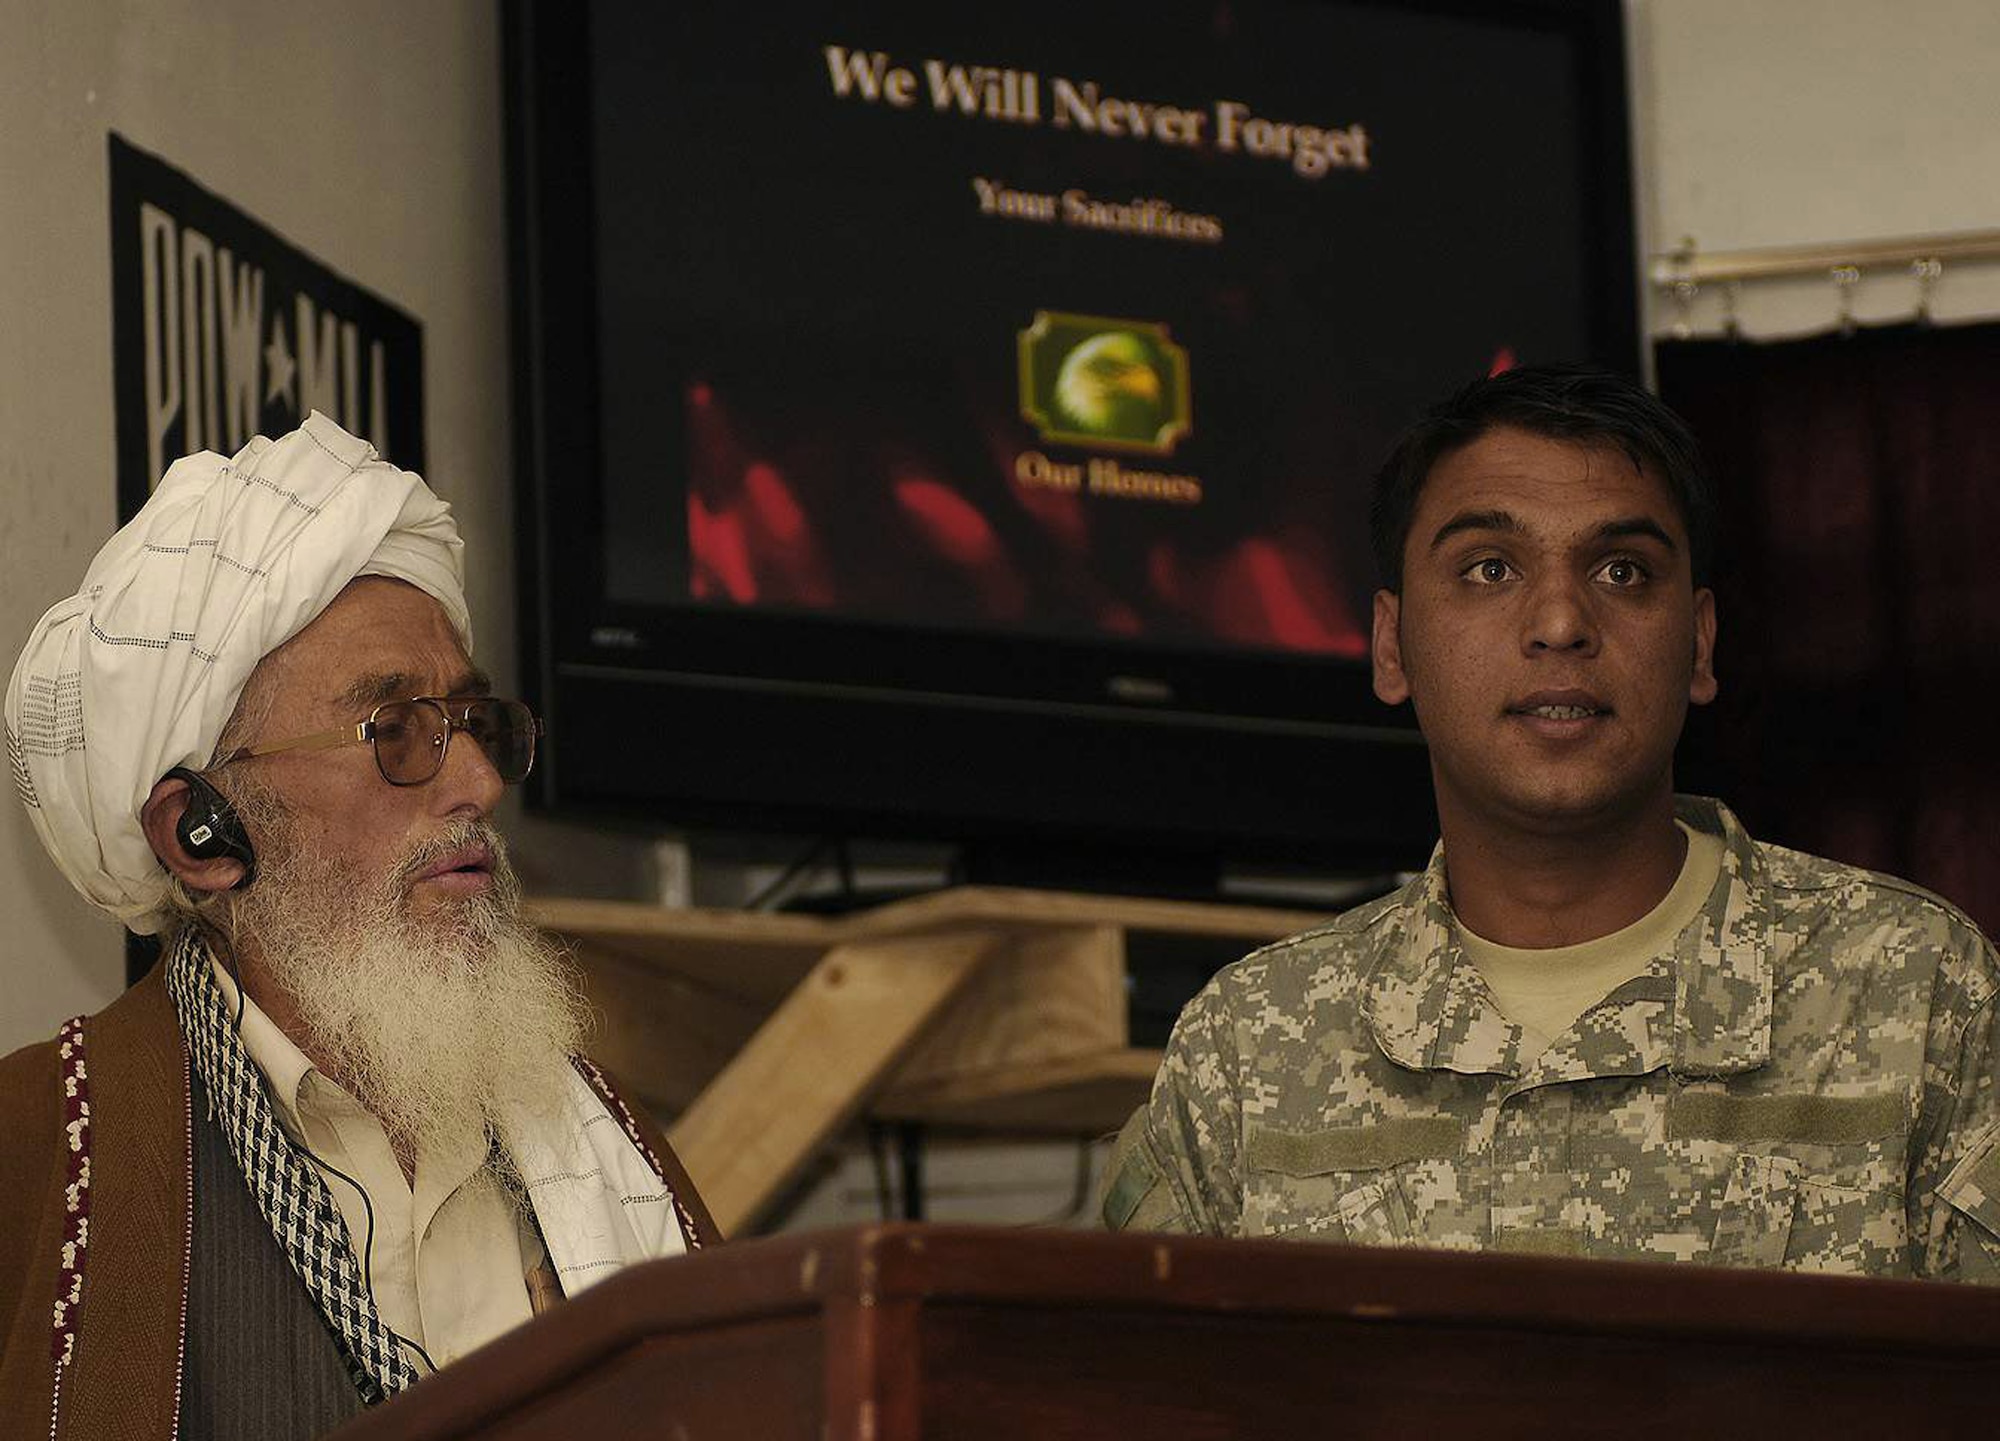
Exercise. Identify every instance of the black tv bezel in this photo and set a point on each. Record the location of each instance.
(693, 718)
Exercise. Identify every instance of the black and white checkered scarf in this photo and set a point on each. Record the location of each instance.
(290, 1194)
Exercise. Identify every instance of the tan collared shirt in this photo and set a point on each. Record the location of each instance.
(447, 1258)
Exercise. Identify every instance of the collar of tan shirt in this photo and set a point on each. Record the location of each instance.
(444, 1260)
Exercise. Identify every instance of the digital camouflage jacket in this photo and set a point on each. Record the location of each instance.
(1809, 1079)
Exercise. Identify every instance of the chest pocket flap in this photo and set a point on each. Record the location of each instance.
(1755, 1223)
(1339, 1182)
(1973, 1187)
(1816, 1179)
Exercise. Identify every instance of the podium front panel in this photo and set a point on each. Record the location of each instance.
(894, 1333)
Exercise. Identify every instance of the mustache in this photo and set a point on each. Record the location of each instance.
(454, 837)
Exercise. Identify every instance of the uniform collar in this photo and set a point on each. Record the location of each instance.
(1430, 1010)
(1723, 976)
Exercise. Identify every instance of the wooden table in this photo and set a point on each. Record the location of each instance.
(989, 1009)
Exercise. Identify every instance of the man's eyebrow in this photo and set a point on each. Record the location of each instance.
(379, 687)
(1509, 524)
(1636, 525)
(376, 687)
(1466, 520)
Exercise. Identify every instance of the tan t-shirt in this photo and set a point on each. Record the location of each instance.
(1545, 991)
(448, 1260)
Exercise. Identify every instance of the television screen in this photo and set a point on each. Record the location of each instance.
(1034, 356)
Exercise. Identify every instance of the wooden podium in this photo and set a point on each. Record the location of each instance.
(974, 1334)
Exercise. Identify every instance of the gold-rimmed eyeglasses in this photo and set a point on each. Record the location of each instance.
(411, 737)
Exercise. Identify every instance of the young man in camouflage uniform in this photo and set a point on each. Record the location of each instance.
(1604, 1021)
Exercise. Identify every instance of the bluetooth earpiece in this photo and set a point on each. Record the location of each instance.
(209, 828)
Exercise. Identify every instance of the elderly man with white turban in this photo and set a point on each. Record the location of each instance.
(341, 1134)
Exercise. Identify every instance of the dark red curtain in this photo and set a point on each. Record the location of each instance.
(1859, 650)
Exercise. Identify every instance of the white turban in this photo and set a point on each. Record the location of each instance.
(139, 671)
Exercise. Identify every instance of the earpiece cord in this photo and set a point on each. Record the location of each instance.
(367, 1204)
(236, 980)
(368, 1246)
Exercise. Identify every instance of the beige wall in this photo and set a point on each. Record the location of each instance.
(1789, 122)
(369, 134)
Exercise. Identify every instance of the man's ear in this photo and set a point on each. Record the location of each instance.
(160, 819)
(1392, 687)
(1702, 687)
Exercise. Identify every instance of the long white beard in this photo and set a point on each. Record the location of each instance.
(439, 1025)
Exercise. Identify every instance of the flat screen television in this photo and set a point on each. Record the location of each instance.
(957, 421)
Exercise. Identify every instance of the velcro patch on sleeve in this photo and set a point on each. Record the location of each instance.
(1806, 1119)
(1134, 1173)
(1355, 1148)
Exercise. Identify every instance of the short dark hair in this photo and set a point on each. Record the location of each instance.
(1566, 402)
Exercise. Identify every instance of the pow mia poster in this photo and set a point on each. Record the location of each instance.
(222, 330)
